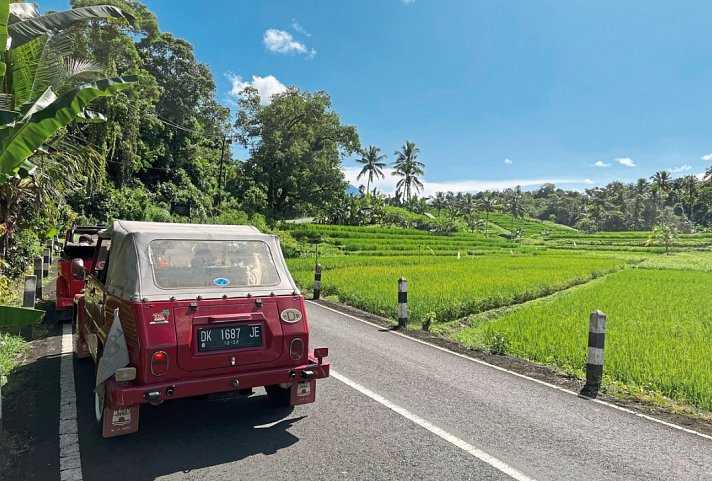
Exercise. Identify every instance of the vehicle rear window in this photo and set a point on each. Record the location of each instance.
(195, 263)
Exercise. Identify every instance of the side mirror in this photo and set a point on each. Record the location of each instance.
(78, 269)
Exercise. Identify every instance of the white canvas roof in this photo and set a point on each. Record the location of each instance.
(130, 274)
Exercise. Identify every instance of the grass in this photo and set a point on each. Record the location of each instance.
(12, 349)
(658, 334)
(448, 288)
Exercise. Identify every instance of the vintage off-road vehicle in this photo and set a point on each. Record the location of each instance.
(79, 242)
(178, 310)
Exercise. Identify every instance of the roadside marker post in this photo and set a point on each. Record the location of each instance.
(50, 245)
(402, 302)
(596, 341)
(38, 275)
(28, 301)
(47, 260)
(317, 282)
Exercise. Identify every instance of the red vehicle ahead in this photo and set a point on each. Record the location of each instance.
(179, 310)
(79, 243)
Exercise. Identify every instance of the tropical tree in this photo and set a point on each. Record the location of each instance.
(514, 205)
(438, 201)
(409, 168)
(373, 166)
(488, 203)
(296, 143)
(39, 94)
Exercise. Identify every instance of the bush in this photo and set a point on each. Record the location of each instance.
(23, 246)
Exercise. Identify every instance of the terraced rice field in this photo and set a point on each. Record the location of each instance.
(659, 331)
(449, 289)
(532, 299)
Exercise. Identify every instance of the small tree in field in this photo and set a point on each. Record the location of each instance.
(666, 230)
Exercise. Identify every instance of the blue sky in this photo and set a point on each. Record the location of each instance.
(494, 93)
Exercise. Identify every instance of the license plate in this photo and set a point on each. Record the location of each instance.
(234, 337)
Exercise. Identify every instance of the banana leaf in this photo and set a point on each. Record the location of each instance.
(25, 137)
(4, 18)
(22, 32)
(19, 316)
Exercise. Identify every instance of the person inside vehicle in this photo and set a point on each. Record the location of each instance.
(84, 240)
(202, 257)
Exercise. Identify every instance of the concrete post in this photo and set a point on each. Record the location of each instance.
(38, 275)
(402, 302)
(596, 341)
(28, 300)
(317, 282)
(47, 260)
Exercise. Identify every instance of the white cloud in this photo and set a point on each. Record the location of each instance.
(601, 164)
(507, 161)
(266, 86)
(681, 168)
(299, 29)
(707, 157)
(588, 181)
(279, 41)
(408, 2)
(388, 184)
(627, 161)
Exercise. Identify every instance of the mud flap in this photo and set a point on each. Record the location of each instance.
(80, 348)
(303, 392)
(118, 422)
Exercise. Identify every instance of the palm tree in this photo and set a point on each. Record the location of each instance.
(661, 181)
(373, 167)
(488, 203)
(690, 182)
(409, 168)
(515, 206)
(439, 201)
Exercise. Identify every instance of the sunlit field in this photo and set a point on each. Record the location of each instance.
(659, 331)
(532, 298)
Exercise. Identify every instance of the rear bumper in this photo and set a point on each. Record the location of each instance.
(124, 395)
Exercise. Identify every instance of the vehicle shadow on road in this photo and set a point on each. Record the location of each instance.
(180, 435)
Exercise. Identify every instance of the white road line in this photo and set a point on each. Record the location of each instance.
(543, 383)
(70, 462)
(441, 433)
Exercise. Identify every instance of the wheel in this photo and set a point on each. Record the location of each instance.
(99, 398)
(278, 395)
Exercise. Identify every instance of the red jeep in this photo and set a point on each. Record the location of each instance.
(78, 243)
(179, 310)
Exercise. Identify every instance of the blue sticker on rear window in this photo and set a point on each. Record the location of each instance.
(221, 281)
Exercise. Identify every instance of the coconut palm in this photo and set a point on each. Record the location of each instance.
(488, 203)
(409, 169)
(661, 182)
(373, 166)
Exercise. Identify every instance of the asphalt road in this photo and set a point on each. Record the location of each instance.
(439, 410)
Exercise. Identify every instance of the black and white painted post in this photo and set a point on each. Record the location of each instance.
(47, 261)
(402, 302)
(28, 301)
(38, 275)
(50, 245)
(317, 282)
(596, 341)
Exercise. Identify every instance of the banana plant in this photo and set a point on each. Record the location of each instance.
(43, 89)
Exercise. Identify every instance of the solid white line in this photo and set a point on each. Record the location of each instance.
(70, 463)
(441, 433)
(543, 383)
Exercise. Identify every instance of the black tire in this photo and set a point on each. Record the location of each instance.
(279, 396)
(99, 399)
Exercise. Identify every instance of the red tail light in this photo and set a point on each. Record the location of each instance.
(159, 363)
(296, 349)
